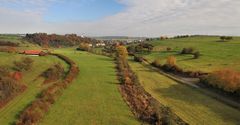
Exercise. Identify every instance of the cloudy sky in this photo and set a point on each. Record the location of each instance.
(121, 17)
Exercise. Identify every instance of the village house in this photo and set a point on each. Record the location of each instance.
(100, 44)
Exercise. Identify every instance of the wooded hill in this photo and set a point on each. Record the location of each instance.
(53, 40)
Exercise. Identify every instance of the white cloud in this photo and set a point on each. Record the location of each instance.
(141, 18)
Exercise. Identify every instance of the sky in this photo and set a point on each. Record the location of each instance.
(151, 18)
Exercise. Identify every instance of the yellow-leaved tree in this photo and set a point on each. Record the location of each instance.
(122, 52)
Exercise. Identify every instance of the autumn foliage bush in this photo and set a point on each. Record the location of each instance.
(24, 64)
(9, 87)
(84, 47)
(157, 62)
(171, 60)
(36, 111)
(171, 66)
(226, 79)
(53, 40)
(54, 73)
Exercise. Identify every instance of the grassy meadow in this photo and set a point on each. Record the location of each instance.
(93, 98)
(190, 104)
(214, 54)
(10, 112)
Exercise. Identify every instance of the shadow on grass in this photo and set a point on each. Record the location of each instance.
(192, 97)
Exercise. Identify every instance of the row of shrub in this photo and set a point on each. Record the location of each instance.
(172, 67)
(225, 38)
(36, 111)
(226, 80)
(9, 86)
(141, 47)
(8, 43)
(143, 105)
(24, 64)
(190, 50)
(8, 49)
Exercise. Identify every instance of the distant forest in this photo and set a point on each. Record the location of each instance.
(53, 40)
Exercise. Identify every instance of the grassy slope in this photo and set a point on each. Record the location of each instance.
(24, 45)
(191, 105)
(215, 55)
(9, 112)
(93, 98)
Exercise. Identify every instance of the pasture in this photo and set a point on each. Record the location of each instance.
(93, 98)
(10, 111)
(190, 104)
(214, 54)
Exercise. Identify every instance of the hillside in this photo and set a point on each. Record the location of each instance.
(214, 55)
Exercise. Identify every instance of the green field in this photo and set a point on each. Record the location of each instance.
(190, 104)
(93, 98)
(23, 44)
(214, 55)
(9, 112)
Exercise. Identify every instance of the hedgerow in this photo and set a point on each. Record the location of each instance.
(171, 66)
(54, 73)
(143, 105)
(8, 43)
(227, 80)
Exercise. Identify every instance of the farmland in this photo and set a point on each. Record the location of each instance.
(214, 54)
(94, 97)
(190, 104)
(119, 62)
(30, 79)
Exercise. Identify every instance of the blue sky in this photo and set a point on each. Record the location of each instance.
(121, 17)
(87, 10)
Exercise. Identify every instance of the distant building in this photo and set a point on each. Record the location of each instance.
(100, 44)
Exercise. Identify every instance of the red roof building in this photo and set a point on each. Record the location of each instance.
(33, 52)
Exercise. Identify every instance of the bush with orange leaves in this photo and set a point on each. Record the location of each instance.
(171, 60)
(122, 52)
(226, 79)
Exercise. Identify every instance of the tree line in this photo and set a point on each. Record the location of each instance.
(54, 40)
